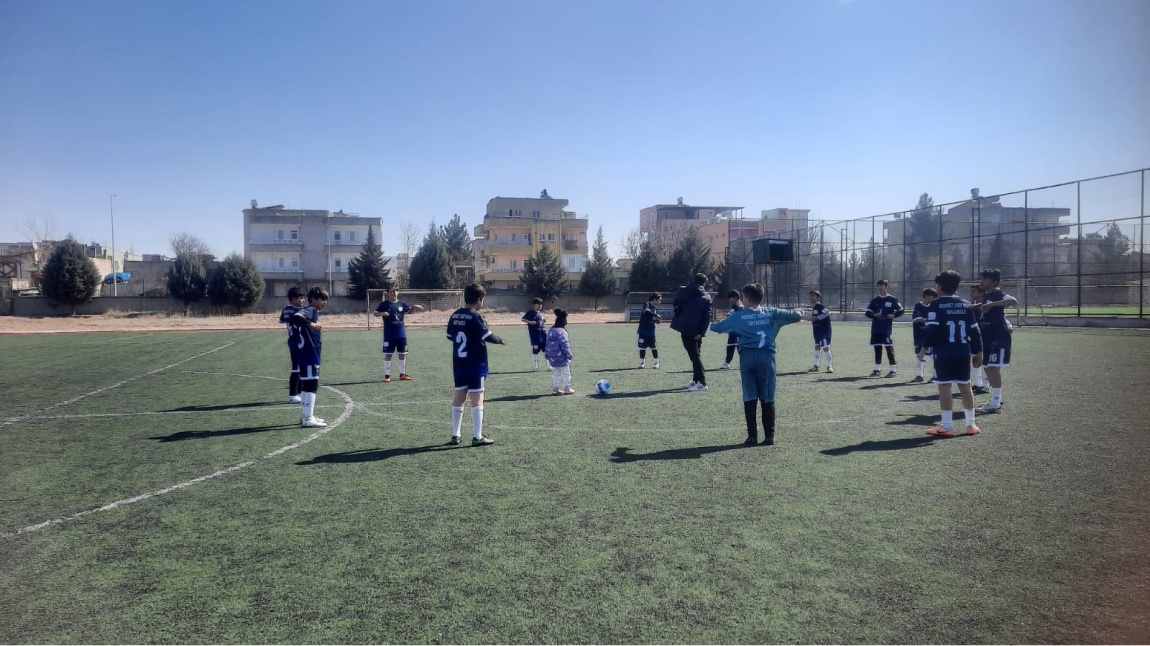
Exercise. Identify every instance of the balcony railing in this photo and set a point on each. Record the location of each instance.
(274, 241)
(345, 243)
(508, 243)
(269, 269)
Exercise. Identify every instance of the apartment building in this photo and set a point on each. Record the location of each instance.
(719, 231)
(671, 219)
(304, 247)
(513, 228)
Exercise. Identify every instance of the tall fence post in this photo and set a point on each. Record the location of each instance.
(1142, 250)
(1078, 208)
(1025, 249)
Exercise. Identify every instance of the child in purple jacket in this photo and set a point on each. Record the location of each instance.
(559, 354)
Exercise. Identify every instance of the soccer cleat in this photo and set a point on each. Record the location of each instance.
(556, 392)
(569, 391)
(387, 379)
(698, 388)
(751, 440)
(642, 364)
(313, 422)
(295, 399)
(688, 385)
(725, 366)
(656, 366)
(814, 369)
(987, 409)
(940, 431)
(972, 430)
(978, 390)
(916, 380)
(930, 381)
(769, 440)
(404, 377)
(890, 374)
(875, 373)
(455, 439)
(481, 441)
(318, 419)
(830, 370)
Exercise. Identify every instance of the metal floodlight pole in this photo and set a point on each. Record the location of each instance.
(112, 213)
(1142, 251)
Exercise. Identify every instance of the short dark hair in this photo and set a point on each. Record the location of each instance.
(933, 293)
(976, 286)
(948, 281)
(991, 274)
(816, 292)
(560, 317)
(884, 282)
(654, 295)
(317, 293)
(294, 293)
(754, 292)
(537, 301)
(700, 279)
(734, 293)
(474, 293)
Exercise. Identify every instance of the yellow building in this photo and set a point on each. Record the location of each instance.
(513, 228)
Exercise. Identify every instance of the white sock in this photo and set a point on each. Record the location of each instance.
(535, 360)
(477, 422)
(948, 419)
(456, 420)
(308, 404)
(403, 366)
(877, 367)
(969, 415)
(828, 357)
(386, 366)
(817, 355)
(918, 367)
(995, 396)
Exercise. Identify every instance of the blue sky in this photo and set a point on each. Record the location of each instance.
(418, 110)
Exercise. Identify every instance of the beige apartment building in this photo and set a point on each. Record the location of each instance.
(512, 231)
(304, 247)
(719, 225)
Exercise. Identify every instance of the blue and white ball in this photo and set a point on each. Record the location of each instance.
(602, 386)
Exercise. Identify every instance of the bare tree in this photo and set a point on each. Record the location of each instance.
(631, 245)
(41, 232)
(409, 238)
(186, 244)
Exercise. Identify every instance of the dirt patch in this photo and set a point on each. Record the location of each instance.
(157, 322)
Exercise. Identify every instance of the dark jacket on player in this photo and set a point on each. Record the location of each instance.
(692, 311)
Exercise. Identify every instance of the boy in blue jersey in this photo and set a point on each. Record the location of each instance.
(955, 343)
(536, 332)
(882, 311)
(820, 318)
(757, 328)
(996, 334)
(918, 320)
(648, 319)
(735, 305)
(306, 331)
(295, 302)
(469, 337)
(392, 310)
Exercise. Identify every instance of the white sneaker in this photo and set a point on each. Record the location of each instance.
(698, 388)
(642, 364)
(689, 385)
(313, 422)
(656, 364)
(535, 369)
(318, 419)
(295, 399)
(725, 366)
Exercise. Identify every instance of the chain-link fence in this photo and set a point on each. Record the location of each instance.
(1077, 249)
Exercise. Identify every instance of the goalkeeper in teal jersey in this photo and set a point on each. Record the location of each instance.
(757, 327)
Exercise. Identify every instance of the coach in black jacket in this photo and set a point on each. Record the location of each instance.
(692, 316)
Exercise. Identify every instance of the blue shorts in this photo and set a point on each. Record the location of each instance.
(308, 371)
(538, 345)
(952, 370)
(470, 384)
(823, 340)
(880, 339)
(757, 369)
(646, 342)
(997, 352)
(395, 346)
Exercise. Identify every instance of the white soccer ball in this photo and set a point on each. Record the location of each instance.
(602, 386)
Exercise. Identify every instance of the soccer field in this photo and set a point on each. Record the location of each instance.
(157, 488)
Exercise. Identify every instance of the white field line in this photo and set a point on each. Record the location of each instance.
(21, 418)
(349, 405)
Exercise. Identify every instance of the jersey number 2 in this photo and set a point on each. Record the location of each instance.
(460, 345)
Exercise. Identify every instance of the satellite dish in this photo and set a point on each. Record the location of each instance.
(255, 204)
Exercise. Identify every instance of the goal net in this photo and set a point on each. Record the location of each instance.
(430, 299)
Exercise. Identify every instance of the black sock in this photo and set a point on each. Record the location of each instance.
(654, 353)
(769, 420)
(293, 384)
(878, 355)
(730, 353)
(642, 355)
(752, 423)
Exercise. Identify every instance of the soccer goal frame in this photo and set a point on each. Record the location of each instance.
(430, 299)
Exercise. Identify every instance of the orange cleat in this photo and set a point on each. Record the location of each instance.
(387, 379)
(404, 377)
(972, 430)
(940, 431)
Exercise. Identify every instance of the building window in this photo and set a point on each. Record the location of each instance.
(280, 234)
(550, 237)
(338, 263)
(280, 261)
(518, 213)
(295, 263)
(351, 236)
(513, 237)
(513, 264)
(535, 214)
(510, 213)
(337, 236)
(295, 235)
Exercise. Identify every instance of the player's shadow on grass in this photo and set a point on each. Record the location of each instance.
(205, 435)
(355, 383)
(624, 454)
(882, 445)
(793, 372)
(921, 398)
(639, 393)
(518, 398)
(373, 455)
(889, 383)
(204, 409)
(915, 420)
(617, 369)
(849, 379)
(513, 372)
